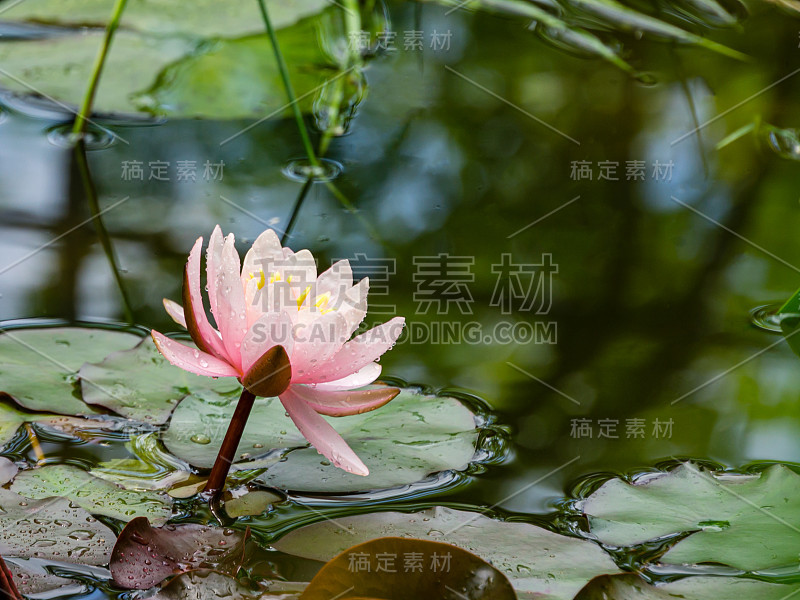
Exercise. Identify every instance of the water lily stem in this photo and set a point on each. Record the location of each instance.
(102, 233)
(287, 84)
(227, 452)
(82, 117)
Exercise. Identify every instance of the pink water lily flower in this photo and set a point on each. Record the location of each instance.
(283, 331)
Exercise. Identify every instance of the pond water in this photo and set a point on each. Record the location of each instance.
(639, 346)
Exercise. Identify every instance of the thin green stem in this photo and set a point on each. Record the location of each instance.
(296, 210)
(287, 83)
(102, 233)
(88, 100)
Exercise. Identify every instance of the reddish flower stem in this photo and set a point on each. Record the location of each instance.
(227, 452)
(8, 588)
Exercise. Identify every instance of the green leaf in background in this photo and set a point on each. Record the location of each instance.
(199, 19)
(749, 522)
(539, 563)
(633, 587)
(205, 60)
(38, 367)
(401, 443)
(92, 494)
(141, 385)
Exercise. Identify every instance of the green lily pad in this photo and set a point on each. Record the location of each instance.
(750, 522)
(401, 443)
(38, 367)
(537, 562)
(33, 578)
(633, 587)
(207, 71)
(95, 495)
(140, 384)
(203, 18)
(51, 529)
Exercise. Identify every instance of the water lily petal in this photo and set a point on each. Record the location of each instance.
(192, 359)
(265, 250)
(321, 435)
(317, 339)
(360, 378)
(175, 311)
(203, 334)
(271, 329)
(357, 353)
(213, 262)
(336, 280)
(339, 404)
(231, 312)
(353, 305)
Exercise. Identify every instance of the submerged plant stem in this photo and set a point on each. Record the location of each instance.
(227, 452)
(102, 233)
(287, 84)
(88, 100)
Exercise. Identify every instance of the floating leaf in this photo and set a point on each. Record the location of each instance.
(152, 469)
(95, 495)
(140, 384)
(750, 522)
(633, 587)
(50, 529)
(401, 443)
(208, 72)
(206, 18)
(535, 560)
(209, 585)
(38, 366)
(396, 568)
(252, 502)
(33, 578)
(145, 556)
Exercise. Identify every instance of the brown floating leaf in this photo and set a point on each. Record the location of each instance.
(144, 555)
(394, 568)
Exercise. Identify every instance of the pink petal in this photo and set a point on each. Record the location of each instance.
(357, 353)
(321, 435)
(192, 359)
(261, 255)
(317, 340)
(271, 329)
(360, 378)
(336, 280)
(231, 312)
(353, 305)
(213, 261)
(175, 311)
(340, 404)
(208, 334)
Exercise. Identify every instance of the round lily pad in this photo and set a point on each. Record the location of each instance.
(97, 496)
(747, 521)
(140, 384)
(38, 366)
(401, 443)
(538, 562)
